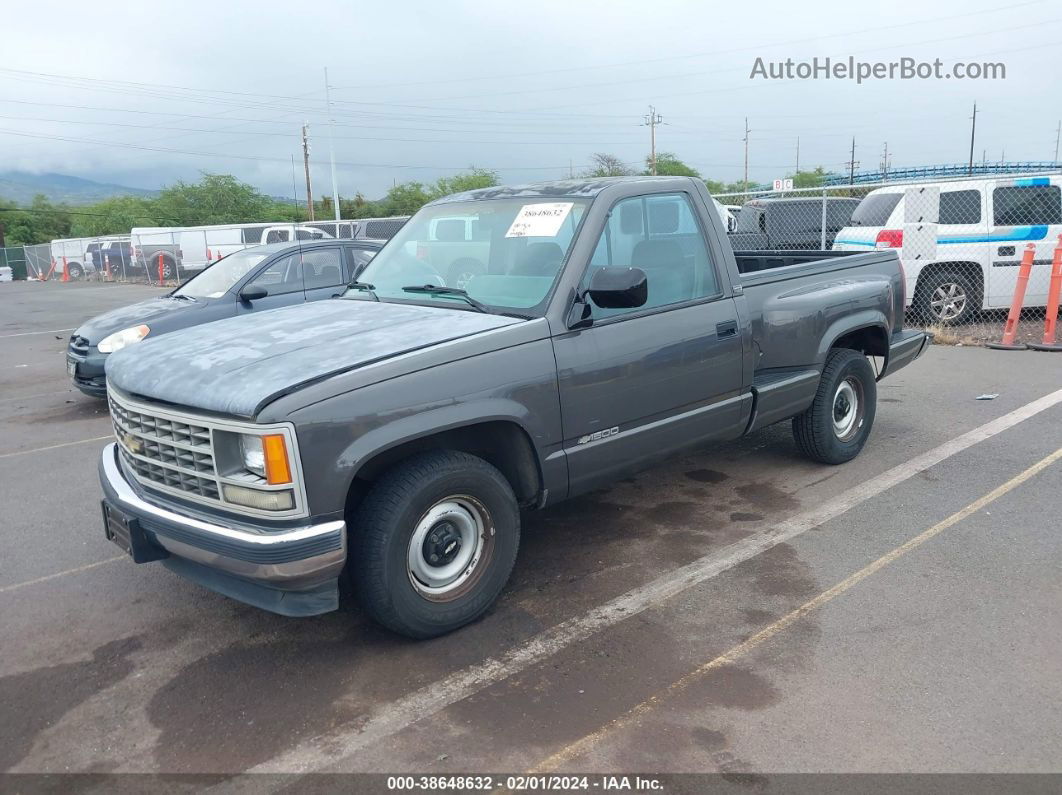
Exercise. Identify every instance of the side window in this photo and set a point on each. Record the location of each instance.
(277, 236)
(960, 207)
(283, 276)
(659, 234)
(356, 260)
(321, 268)
(1027, 206)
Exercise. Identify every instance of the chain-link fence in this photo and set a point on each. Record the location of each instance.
(168, 256)
(961, 242)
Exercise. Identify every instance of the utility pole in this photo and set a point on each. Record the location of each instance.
(306, 167)
(331, 147)
(798, 156)
(652, 118)
(1058, 135)
(973, 130)
(852, 163)
(885, 163)
(745, 181)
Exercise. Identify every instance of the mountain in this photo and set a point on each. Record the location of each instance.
(22, 186)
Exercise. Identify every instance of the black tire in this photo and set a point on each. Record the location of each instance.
(396, 510)
(170, 271)
(947, 297)
(817, 430)
(463, 270)
(75, 272)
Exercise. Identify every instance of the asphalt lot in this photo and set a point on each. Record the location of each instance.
(739, 610)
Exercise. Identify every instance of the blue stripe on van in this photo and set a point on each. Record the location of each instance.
(1029, 182)
(1018, 233)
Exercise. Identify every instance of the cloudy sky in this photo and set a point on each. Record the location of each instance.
(142, 94)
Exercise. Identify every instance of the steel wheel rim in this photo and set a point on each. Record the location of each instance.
(948, 301)
(459, 520)
(847, 409)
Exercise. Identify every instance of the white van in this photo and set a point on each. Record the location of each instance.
(75, 253)
(961, 242)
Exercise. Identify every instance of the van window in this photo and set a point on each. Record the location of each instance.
(1027, 206)
(875, 209)
(960, 207)
(277, 236)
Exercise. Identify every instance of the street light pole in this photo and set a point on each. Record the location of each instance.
(331, 148)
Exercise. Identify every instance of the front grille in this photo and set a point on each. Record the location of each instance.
(192, 456)
(167, 452)
(78, 346)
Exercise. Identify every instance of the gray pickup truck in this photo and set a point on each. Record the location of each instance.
(393, 435)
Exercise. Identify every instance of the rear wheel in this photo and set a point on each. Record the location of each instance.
(947, 297)
(75, 271)
(835, 427)
(434, 542)
(170, 271)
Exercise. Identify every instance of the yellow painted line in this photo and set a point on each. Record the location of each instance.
(56, 446)
(77, 570)
(589, 741)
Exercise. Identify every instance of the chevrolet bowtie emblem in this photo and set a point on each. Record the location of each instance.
(132, 444)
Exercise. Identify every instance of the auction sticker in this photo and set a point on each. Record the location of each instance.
(539, 220)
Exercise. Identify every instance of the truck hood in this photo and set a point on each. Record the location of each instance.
(100, 326)
(238, 365)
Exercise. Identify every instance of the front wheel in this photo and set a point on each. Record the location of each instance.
(947, 298)
(835, 427)
(74, 272)
(434, 542)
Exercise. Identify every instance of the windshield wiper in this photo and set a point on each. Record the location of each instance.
(434, 289)
(181, 297)
(369, 288)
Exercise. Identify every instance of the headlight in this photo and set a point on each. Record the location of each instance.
(267, 457)
(119, 339)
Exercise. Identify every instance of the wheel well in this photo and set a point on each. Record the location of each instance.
(870, 340)
(971, 270)
(504, 445)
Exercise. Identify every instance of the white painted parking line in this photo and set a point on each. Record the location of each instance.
(634, 714)
(31, 333)
(55, 446)
(46, 577)
(388, 719)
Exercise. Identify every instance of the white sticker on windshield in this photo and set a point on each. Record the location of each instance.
(539, 220)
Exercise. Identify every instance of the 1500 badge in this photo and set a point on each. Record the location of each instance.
(596, 435)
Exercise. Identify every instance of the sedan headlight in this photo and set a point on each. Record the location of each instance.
(119, 339)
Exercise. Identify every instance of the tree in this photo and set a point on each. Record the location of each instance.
(809, 179)
(115, 216)
(405, 199)
(606, 165)
(471, 180)
(215, 199)
(668, 165)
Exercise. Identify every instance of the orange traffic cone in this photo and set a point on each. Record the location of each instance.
(1010, 328)
(160, 269)
(51, 270)
(66, 272)
(1053, 294)
(107, 267)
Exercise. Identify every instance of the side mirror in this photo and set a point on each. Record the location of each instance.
(619, 288)
(252, 292)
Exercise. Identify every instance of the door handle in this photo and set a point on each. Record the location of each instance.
(727, 329)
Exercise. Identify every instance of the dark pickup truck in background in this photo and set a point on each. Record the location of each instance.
(768, 224)
(396, 433)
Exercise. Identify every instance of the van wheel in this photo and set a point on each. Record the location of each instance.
(74, 271)
(434, 542)
(835, 427)
(947, 298)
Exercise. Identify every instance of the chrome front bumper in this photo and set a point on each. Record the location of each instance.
(272, 569)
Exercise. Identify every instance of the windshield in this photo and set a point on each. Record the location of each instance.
(506, 253)
(217, 279)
